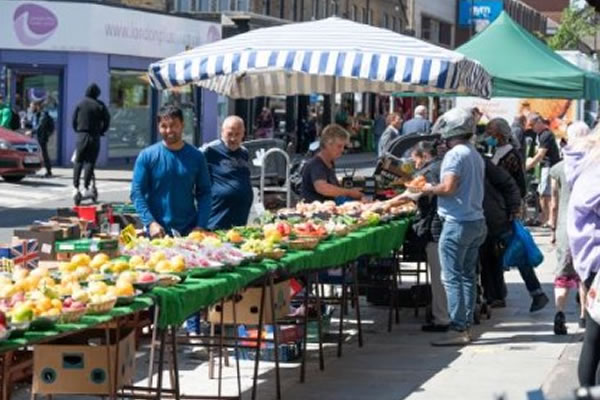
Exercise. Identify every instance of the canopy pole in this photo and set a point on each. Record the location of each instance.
(332, 100)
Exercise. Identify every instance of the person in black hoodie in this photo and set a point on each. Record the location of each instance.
(91, 120)
(501, 204)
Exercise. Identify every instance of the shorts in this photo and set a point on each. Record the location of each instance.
(545, 186)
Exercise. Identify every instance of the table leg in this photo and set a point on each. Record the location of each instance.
(342, 307)
(221, 339)
(259, 337)
(174, 365)
(235, 344)
(275, 336)
(152, 346)
(319, 322)
(161, 360)
(109, 362)
(305, 341)
(356, 303)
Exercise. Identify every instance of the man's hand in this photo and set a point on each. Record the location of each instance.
(426, 189)
(155, 230)
(355, 194)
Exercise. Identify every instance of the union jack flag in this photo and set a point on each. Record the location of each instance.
(22, 252)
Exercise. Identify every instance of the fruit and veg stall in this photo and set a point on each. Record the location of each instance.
(101, 280)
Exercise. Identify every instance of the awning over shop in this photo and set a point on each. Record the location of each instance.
(522, 66)
(324, 56)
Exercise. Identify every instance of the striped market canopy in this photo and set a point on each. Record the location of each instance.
(331, 55)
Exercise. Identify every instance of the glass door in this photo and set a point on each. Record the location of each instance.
(30, 86)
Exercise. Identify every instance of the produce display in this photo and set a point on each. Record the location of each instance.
(92, 285)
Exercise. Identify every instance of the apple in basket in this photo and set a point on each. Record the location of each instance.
(147, 277)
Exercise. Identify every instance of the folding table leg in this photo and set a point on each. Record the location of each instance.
(152, 347)
(259, 337)
(341, 331)
(305, 341)
(221, 339)
(319, 323)
(109, 365)
(357, 303)
(211, 352)
(174, 365)
(236, 345)
(161, 360)
(275, 336)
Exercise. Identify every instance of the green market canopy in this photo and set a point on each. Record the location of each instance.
(522, 66)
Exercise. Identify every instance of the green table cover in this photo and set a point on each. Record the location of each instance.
(205, 287)
(87, 321)
(178, 302)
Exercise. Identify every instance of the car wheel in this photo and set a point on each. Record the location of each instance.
(13, 178)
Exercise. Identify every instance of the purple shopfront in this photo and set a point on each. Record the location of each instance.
(52, 51)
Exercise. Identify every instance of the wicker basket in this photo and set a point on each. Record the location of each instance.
(304, 244)
(274, 255)
(166, 280)
(70, 316)
(101, 308)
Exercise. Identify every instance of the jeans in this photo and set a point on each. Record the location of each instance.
(459, 254)
(531, 280)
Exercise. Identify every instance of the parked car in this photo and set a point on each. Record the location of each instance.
(19, 156)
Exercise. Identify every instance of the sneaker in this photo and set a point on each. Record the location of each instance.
(538, 302)
(498, 303)
(87, 192)
(75, 192)
(453, 338)
(431, 327)
(48, 175)
(560, 328)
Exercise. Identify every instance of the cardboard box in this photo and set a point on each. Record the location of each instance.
(248, 306)
(46, 236)
(82, 368)
(71, 226)
(21, 252)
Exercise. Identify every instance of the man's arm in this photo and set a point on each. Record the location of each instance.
(329, 190)
(106, 118)
(447, 187)
(203, 194)
(140, 186)
(539, 156)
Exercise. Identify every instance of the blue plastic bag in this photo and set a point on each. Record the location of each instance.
(521, 250)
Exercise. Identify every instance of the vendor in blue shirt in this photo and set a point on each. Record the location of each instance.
(171, 186)
(229, 169)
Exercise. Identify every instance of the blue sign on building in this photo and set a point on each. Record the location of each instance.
(478, 11)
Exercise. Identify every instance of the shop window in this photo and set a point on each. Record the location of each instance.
(445, 34)
(184, 98)
(130, 109)
(436, 31)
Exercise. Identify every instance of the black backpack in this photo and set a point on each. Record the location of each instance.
(15, 120)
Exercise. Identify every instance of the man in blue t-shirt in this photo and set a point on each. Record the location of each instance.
(229, 168)
(171, 186)
(460, 206)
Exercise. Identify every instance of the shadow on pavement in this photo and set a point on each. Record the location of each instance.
(24, 216)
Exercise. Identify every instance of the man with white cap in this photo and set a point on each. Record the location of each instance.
(418, 124)
(460, 206)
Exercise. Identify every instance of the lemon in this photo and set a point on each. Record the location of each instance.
(136, 261)
(98, 260)
(81, 259)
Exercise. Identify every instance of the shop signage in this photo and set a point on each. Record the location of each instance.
(66, 26)
(478, 13)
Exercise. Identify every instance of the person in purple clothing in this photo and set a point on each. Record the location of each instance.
(583, 232)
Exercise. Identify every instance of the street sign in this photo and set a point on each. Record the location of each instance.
(478, 12)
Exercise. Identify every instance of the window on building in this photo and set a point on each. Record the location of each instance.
(364, 16)
(224, 5)
(315, 9)
(130, 108)
(334, 8)
(325, 12)
(436, 31)
(354, 13)
(395, 24)
(386, 21)
(370, 17)
(445, 32)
